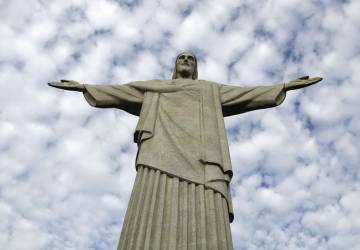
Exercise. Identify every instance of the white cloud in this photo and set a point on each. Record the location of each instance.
(66, 168)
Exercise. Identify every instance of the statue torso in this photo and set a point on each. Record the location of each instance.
(176, 143)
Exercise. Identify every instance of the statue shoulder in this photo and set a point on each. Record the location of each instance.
(153, 81)
(209, 82)
(147, 83)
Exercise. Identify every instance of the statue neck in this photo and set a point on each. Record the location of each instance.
(183, 75)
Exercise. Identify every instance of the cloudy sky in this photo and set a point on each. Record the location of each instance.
(66, 169)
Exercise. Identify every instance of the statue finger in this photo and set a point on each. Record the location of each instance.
(315, 80)
(55, 84)
(304, 78)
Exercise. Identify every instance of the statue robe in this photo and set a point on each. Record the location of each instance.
(181, 135)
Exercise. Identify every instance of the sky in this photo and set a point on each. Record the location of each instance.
(67, 169)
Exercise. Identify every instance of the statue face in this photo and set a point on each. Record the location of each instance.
(185, 63)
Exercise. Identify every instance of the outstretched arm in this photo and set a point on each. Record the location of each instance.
(301, 82)
(124, 97)
(236, 100)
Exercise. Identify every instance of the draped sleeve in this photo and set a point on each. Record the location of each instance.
(124, 97)
(236, 100)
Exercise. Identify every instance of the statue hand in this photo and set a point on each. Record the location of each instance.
(68, 85)
(301, 82)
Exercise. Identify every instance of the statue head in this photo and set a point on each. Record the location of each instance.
(185, 66)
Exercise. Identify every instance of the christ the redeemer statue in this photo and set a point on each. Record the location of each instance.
(181, 197)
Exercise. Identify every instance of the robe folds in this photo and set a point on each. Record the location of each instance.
(181, 132)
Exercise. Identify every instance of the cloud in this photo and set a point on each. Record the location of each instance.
(66, 169)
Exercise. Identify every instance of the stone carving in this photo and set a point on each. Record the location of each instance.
(181, 198)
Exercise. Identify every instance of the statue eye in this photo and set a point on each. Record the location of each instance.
(182, 57)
